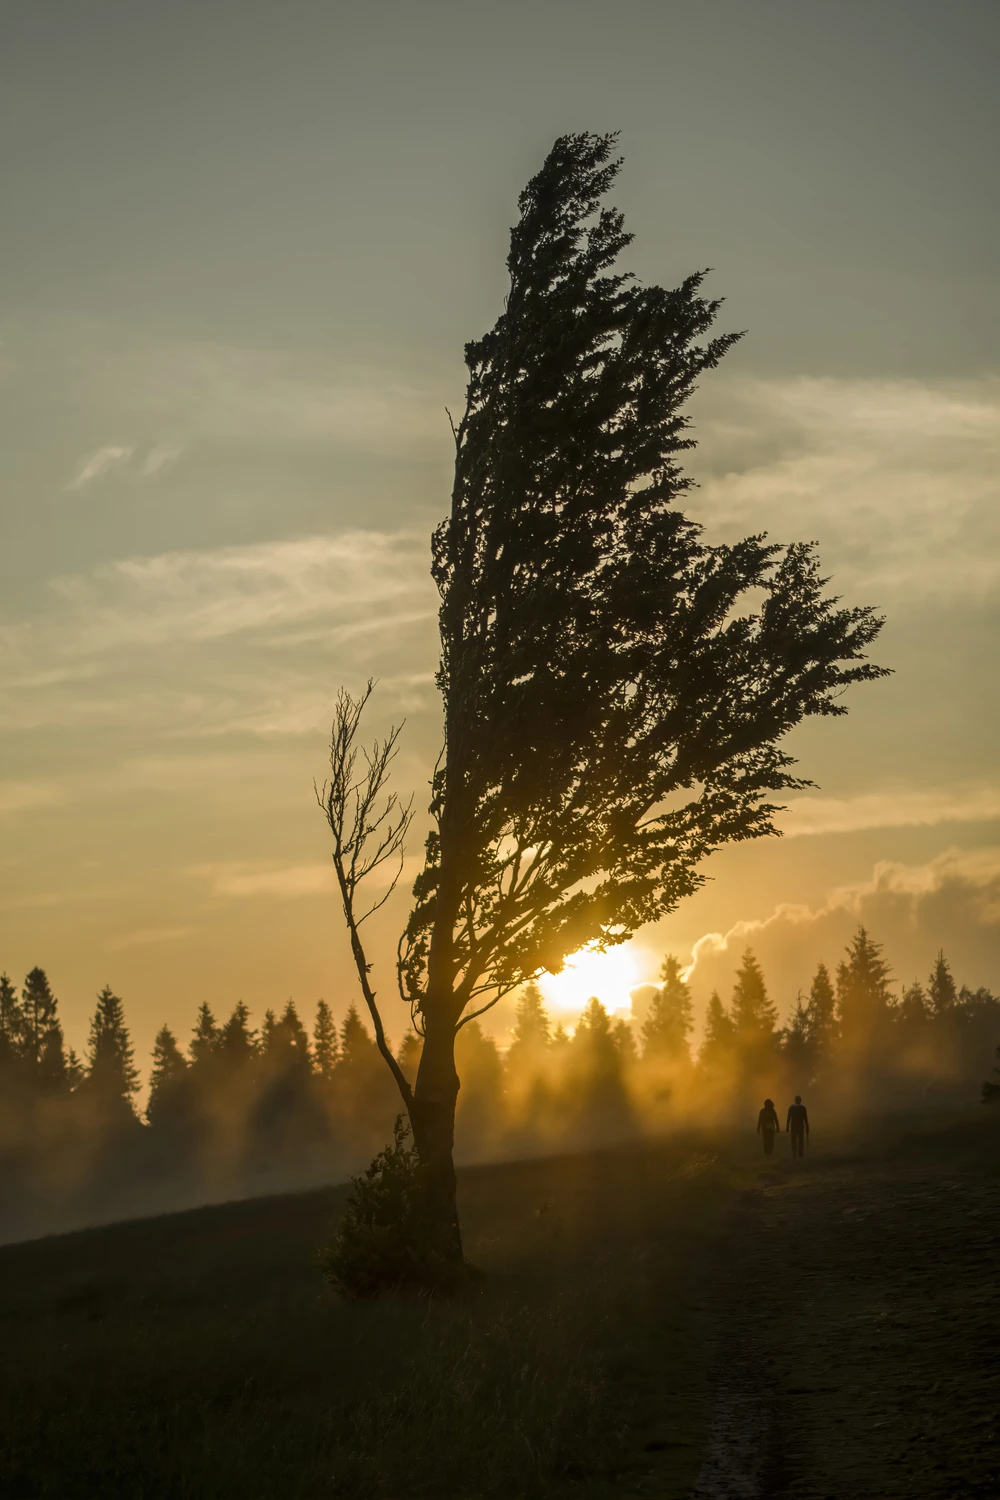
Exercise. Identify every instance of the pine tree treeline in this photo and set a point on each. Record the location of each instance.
(237, 1108)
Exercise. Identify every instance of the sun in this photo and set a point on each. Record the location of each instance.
(610, 976)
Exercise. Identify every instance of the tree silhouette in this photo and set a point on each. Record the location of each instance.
(864, 1000)
(717, 1044)
(798, 1043)
(167, 1104)
(12, 1031)
(112, 1076)
(325, 1047)
(941, 987)
(615, 696)
(822, 1009)
(205, 1037)
(39, 1009)
(668, 1022)
(754, 1016)
(53, 1065)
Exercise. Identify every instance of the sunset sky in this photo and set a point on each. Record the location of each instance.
(243, 246)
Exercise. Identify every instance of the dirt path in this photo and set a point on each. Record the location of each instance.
(858, 1346)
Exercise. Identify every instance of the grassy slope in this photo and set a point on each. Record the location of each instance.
(200, 1354)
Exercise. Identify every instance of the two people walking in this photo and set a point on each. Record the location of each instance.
(796, 1125)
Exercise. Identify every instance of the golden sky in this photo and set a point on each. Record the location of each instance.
(244, 245)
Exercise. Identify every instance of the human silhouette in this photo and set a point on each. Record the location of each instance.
(798, 1124)
(767, 1124)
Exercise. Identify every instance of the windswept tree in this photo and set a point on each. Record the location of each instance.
(616, 690)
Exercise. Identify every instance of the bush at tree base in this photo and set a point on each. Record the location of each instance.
(388, 1239)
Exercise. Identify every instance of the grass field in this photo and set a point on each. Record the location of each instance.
(200, 1354)
(677, 1320)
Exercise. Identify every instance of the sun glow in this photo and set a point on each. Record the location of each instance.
(610, 976)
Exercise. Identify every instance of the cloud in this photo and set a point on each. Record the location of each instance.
(899, 480)
(24, 796)
(950, 902)
(903, 808)
(99, 463)
(147, 935)
(158, 458)
(247, 639)
(359, 579)
(290, 882)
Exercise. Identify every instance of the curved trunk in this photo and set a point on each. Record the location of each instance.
(432, 1116)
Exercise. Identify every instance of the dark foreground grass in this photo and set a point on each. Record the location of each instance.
(200, 1354)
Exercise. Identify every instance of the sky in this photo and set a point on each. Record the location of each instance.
(242, 248)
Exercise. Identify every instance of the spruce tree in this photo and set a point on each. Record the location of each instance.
(531, 1037)
(270, 1033)
(355, 1043)
(12, 1027)
(593, 1042)
(167, 1082)
(822, 1009)
(720, 1033)
(112, 1075)
(325, 1046)
(236, 1043)
(864, 1000)
(76, 1073)
(668, 1022)
(53, 1067)
(798, 1043)
(408, 1054)
(754, 1016)
(39, 1010)
(623, 1039)
(295, 1036)
(913, 1009)
(205, 1038)
(942, 988)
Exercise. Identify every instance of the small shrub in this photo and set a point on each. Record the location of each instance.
(387, 1238)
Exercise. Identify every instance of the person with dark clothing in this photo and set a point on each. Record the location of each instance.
(797, 1124)
(767, 1124)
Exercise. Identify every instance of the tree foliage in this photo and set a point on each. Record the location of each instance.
(614, 701)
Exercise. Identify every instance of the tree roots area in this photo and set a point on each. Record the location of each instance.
(680, 1319)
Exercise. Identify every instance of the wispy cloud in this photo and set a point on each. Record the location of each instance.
(903, 808)
(290, 882)
(249, 639)
(285, 883)
(148, 935)
(98, 464)
(356, 578)
(899, 480)
(24, 796)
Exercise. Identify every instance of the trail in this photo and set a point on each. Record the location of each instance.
(857, 1349)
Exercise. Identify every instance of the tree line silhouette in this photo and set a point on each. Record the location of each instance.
(243, 1109)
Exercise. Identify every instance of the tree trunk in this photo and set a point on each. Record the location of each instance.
(432, 1116)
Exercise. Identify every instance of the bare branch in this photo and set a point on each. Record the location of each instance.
(369, 825)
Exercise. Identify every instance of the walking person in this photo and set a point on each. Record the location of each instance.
(797, 1124)
(767, 1125)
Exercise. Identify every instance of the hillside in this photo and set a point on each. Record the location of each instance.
(666, 1320)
